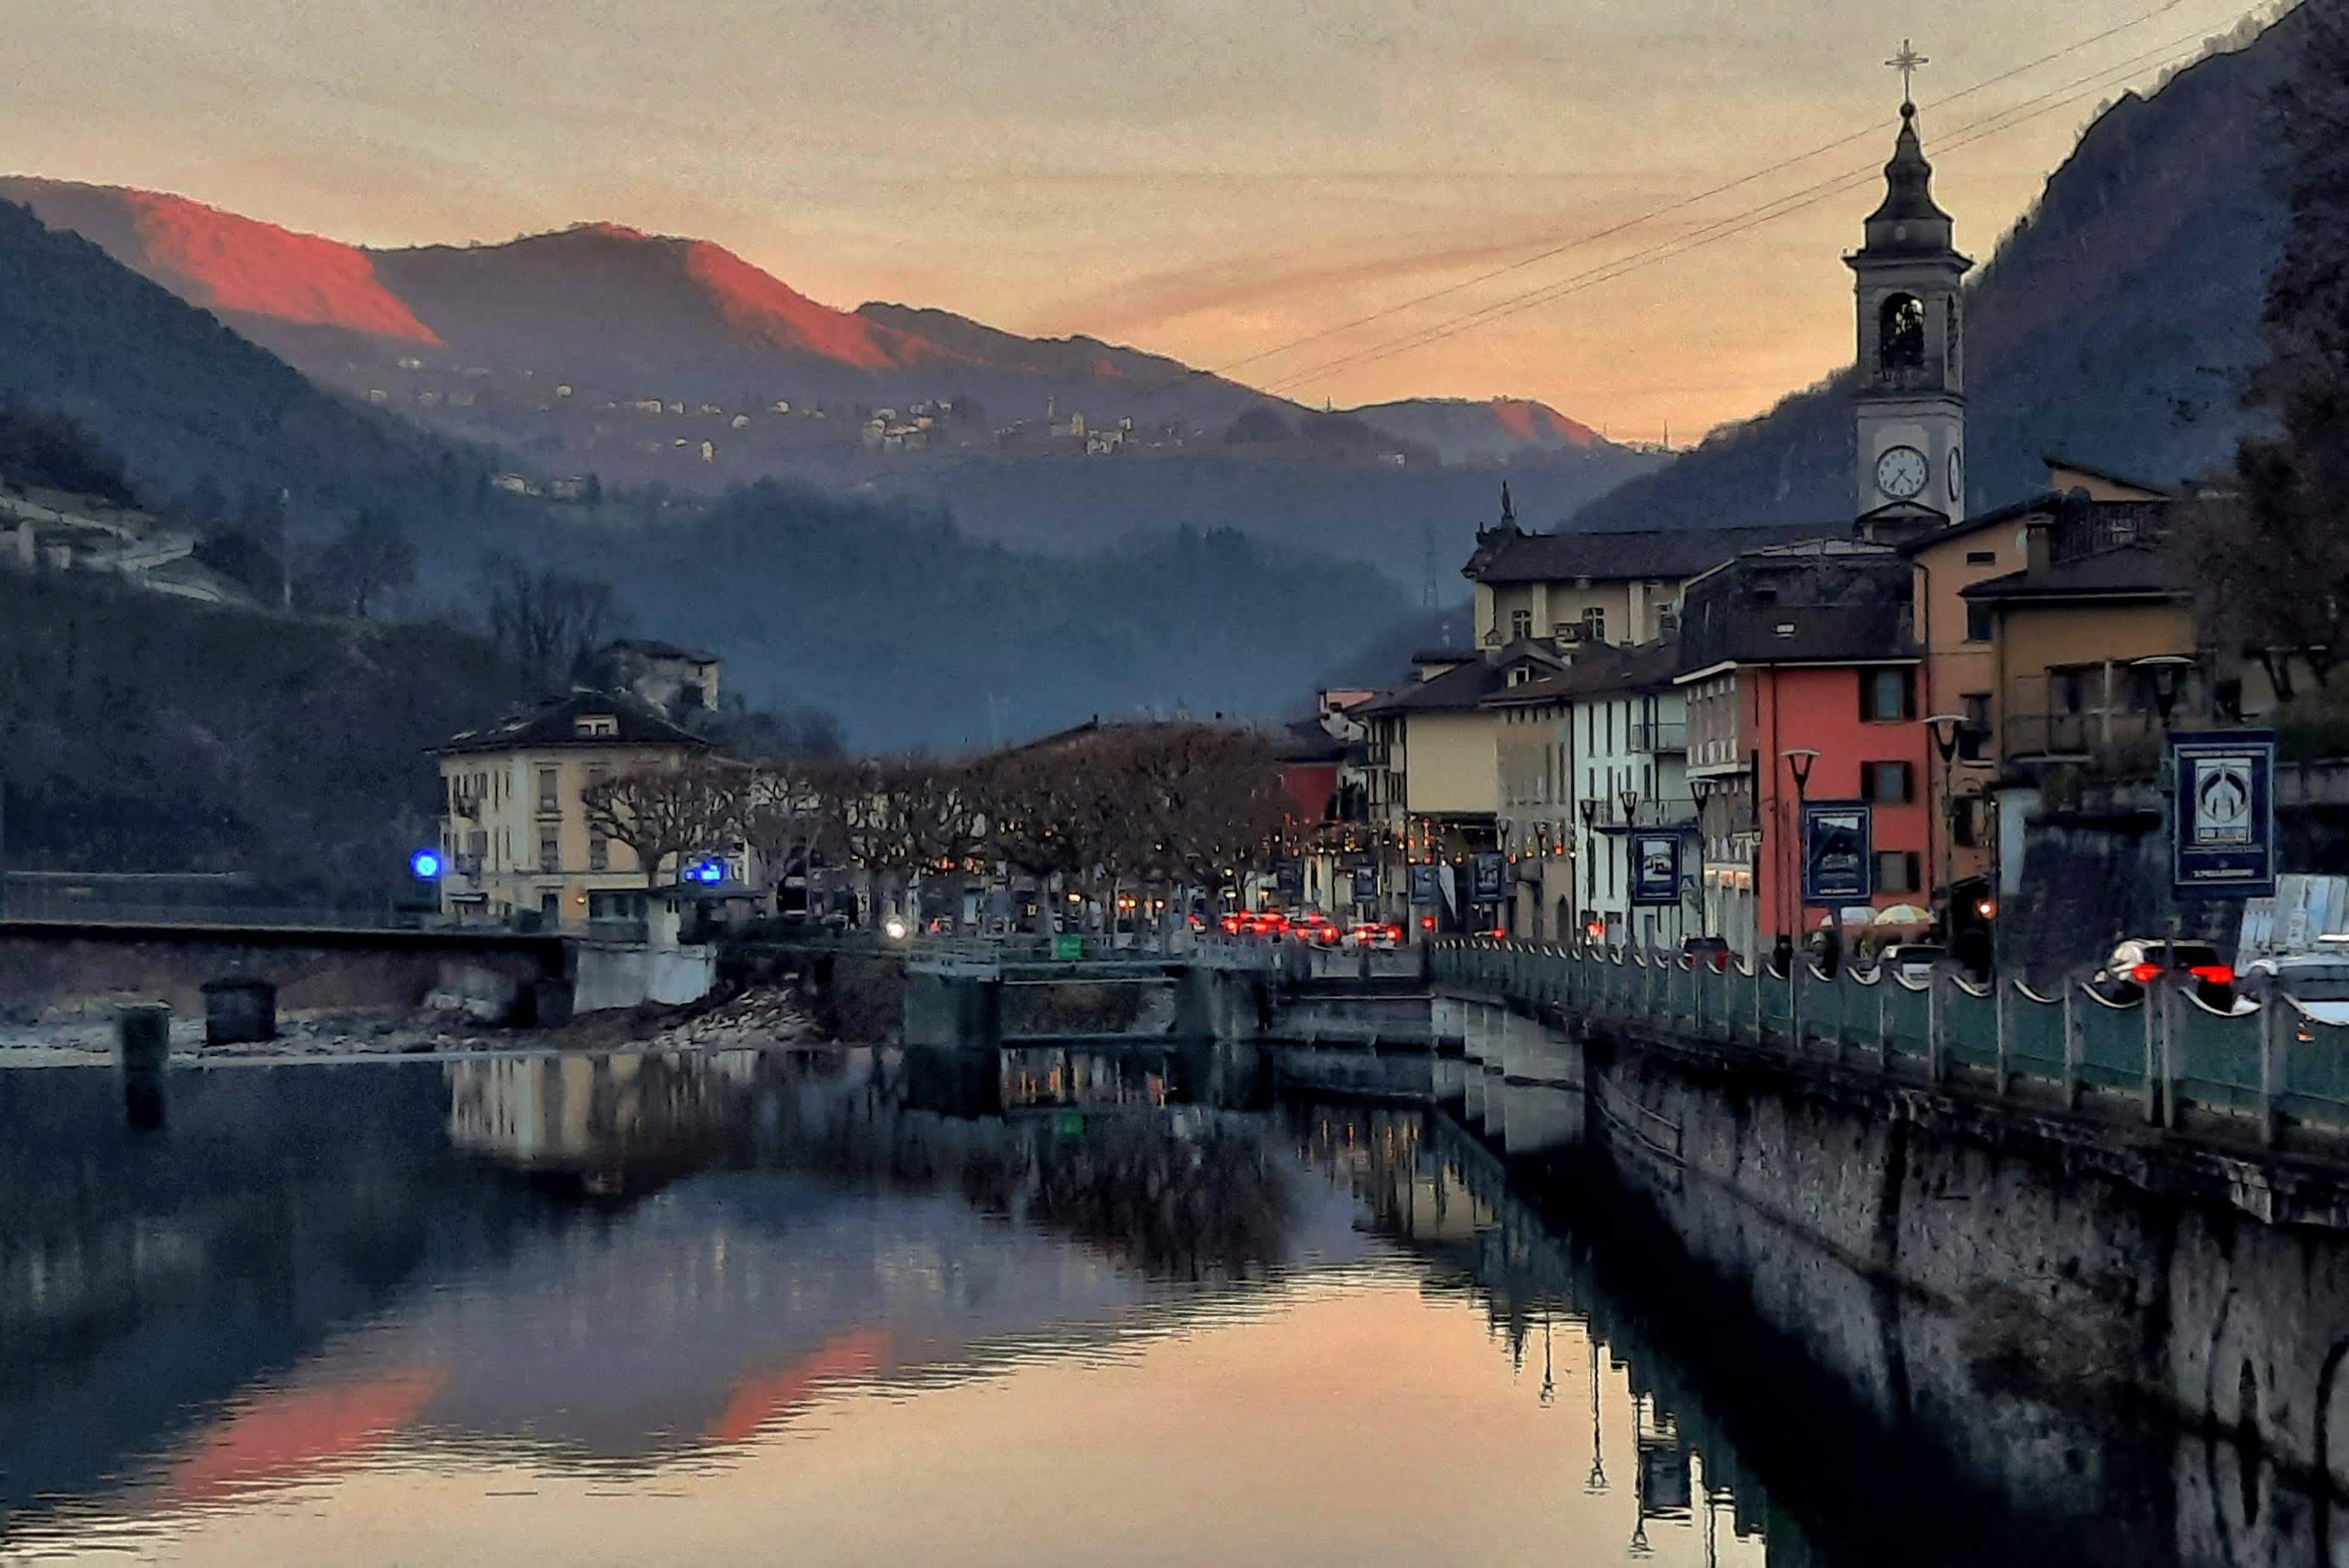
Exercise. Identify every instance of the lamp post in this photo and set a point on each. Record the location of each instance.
(1589, 807)
(1627, 797)
(1799, 762)
(1946, 728)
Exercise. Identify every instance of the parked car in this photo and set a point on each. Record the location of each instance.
(2135, 963)
(1912, 961)
(2319, 982)
(1708, 951)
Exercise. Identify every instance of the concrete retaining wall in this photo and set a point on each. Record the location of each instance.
(614, 974)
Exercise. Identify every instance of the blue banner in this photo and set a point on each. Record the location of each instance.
(1366, 885)
(2222, 813)
(1488, 878)
(1655, 870)
(1423, 884)
(1290, 880)
(1838, 852)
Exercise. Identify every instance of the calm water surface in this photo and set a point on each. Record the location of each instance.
(771, 1307)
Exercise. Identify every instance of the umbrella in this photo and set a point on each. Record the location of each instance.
(1903, 915)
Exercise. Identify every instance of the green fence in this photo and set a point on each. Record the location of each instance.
(2266, 1065)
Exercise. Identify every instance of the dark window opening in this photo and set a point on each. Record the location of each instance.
(1901, 334)
(1891, 783)
(1886, 696)
(1979, 623)
(1896, 870)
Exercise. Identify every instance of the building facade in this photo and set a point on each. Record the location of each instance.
(514, 837)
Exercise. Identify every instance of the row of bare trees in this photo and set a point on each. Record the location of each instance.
(1107, 811)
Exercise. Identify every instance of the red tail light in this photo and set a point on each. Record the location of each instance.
(1394, 932)
(2144, 972)
(2216, 973)
(1427, 922)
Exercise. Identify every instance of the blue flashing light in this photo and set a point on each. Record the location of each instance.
(424, 865)
(708, 872)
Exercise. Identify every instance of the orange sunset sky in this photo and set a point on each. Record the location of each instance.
(1210, 178)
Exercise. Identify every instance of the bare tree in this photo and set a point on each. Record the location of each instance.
(665, 811)
(356, 571)
(544, 621)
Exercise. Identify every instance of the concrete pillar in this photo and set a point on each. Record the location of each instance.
(142, 1046)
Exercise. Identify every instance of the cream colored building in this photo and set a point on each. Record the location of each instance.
(514, 834)
(1571, 587)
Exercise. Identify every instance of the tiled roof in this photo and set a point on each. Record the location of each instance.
(557, 723)
(1664, 554)
(1459, 690)
(1599, 667)
(2133, 571)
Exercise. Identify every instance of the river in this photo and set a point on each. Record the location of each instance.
(862, 1307)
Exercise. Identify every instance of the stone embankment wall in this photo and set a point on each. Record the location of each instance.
(1987, 1282)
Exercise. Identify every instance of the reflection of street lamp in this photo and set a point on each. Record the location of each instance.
(1588, 806)
(1799, 762)
(1597, 1481)
(1946, 728)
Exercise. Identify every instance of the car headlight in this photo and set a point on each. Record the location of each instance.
(893, 928)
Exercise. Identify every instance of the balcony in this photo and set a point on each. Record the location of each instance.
(1661, 736)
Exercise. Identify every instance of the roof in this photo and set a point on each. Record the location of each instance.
(1801, 635)
(2045, 501)
(1599, 667)
(2130, 571)
(1304, 741)
(652, 648)
(1622, 555)
(2056, 461)
(554, 723)
(1455, 690)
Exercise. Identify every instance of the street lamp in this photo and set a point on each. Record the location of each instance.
(1947, 729)
(1627, 797)
(2165, 669)
(1799, 762)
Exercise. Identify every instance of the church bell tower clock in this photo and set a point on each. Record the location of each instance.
(1910, 408)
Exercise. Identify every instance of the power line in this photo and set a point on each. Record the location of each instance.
(1736, 223)
(1873, 129)
(1733, 223)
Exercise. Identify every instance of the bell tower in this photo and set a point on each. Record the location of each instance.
(1910, 408)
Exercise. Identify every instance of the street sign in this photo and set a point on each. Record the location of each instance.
(1655, 870)
(1838, 852)
(2222, 813)
(1489, 872)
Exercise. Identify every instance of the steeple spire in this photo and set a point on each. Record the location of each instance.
(1508, 508)
(1908, 220)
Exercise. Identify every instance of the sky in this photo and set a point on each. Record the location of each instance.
(1223, 180)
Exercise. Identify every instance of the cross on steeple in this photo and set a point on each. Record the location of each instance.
(1905, 62)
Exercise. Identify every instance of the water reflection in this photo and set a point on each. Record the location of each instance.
(920, 1305)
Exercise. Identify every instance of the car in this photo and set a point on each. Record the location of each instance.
(1711, 952)
(1375, 933)
(2134, 963)
(1912, 961)
(2319, 982)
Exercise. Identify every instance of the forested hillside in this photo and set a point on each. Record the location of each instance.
(2114, 326)
(144, 733)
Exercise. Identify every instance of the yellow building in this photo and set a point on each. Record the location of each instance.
(514, 834)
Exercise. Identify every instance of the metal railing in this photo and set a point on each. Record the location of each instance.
(1666, 735)
(2270, 1065)
(63, 907)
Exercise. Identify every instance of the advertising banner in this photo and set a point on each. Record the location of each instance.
(1366, 885)
(1423, 884)
(1489, 871)
(1838, 852)
(2223, 816)
(1655, 870)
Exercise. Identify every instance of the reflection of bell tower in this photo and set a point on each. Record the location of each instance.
(1911, 406)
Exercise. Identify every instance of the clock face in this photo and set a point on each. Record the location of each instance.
(1957, 477)
(1901, 473)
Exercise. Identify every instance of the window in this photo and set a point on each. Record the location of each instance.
(1896, 871)
(1962, 831)
(1594, 625)
(1889, 783)
(1979, 623)
(1982, 557)
(1900, 334)
(1887, 697)
(1611, 726)
(599, 723)
(599, 852)
(550, 853)
(1976, 733)
(1521, 625)
(550, 798)
(550, 905)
